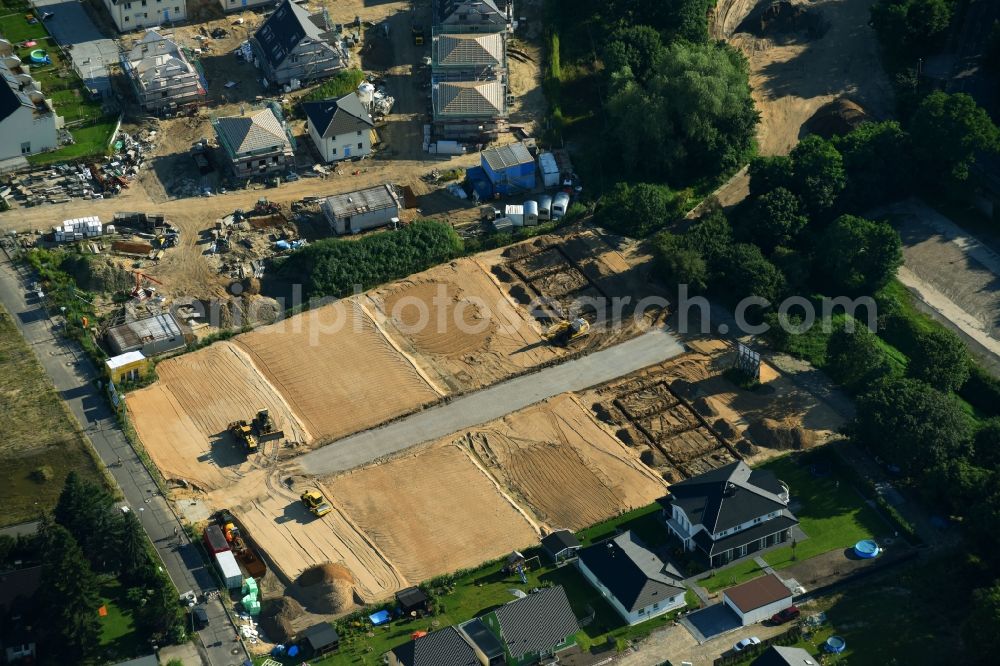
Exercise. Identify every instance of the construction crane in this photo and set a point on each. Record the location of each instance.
(138, 291)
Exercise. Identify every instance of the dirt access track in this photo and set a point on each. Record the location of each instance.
(793, 75)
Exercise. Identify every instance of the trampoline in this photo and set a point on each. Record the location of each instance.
(835, 644)
(867, 549)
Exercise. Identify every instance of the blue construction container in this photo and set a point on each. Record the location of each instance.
(510, 168)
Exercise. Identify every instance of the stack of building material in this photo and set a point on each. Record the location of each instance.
(78, 228)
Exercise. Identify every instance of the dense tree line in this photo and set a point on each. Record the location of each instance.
(85, 541)
(334, 267)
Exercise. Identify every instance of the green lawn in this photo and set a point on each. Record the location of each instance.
(831, 513)
(644, 521)
(118, 636)
(90, 140)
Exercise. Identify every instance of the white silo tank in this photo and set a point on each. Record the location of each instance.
(366, 93)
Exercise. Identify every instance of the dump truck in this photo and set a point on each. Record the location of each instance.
(315, 502)
(244, 435)
(264, 427)
(566, 332)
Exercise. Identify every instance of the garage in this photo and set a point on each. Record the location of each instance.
(758, 599)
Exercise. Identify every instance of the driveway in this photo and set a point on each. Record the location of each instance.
(90, 50)
(656, 346)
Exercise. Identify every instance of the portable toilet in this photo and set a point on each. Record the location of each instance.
(544, 207)
(530, 213)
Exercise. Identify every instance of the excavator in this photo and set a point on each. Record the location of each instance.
(316, 503)
(565, 332)
(244, 435)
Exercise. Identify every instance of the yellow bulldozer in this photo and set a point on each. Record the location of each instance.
(244, 435)
(565, 332)
(315, 502)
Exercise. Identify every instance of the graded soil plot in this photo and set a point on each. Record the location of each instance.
(296, 542)
(557, 460)
(562, 283)
(671, 421)
(182, 419)
(337, 369)
(457, 324)
(542, 263)
(432, 512)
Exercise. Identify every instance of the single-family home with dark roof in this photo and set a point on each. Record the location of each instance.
(780, 655)
(561, 545)
(291, 44)
(340, 128)
(445, 647)
(634, 580)
(256, 145)
(472, 15)
(534, 627)
(468, 55)
(729, 512)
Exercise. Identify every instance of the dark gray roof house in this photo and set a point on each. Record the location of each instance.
(331, 117)
(538, 625)
(779, 655)
(445, 647)
(637, 579)
(291, 44)
(729, 512)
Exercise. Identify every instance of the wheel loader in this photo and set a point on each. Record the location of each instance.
(244, 435)
(565, 332)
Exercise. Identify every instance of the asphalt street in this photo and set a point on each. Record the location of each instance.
(90, 50)
(656, 346)
(75, 377)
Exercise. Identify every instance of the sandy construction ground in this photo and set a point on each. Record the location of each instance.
(455, 321)
(557, 460)
(182, 418)
(791, 81)
(433, 512)
(340, 373)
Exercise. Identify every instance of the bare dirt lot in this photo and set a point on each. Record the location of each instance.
(563, 465)
(337, 369)
(433, 512)
(182, 418)
(794, 74)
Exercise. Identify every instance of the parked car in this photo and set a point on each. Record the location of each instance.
(745, 643)
(200, 617)
(786, 615)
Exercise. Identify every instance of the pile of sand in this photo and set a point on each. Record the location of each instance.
(784, 435)
(836, 118)
(325, 588)
(783, 22)
(278, 618)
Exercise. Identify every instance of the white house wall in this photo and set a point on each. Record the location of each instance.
(332, 149)
(759, 614)
(24, 126)
(146, 13)
(240, 5)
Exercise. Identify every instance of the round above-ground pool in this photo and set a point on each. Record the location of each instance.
(867, 549)
(40, 56)
(835, 644)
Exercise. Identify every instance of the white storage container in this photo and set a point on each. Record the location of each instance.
(229, 569)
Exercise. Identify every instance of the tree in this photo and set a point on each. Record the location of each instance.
(858, 256)
(693, 119)
(909, 28)
(983, 622)
(914, 425)
(774, 219)
(878, 161)
(818, 175)
(85, 509)
(943, 361)
(948, 132)
(855, 359)
(768, 173)
(679, 263)
(987, 444)
(640, 209)
(69, 598)
(130, 547)
(635, 48)
(712, 235)
(746, 272)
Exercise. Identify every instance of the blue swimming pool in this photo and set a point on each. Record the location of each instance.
(867, 549)
(835, 644)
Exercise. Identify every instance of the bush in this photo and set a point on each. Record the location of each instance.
(343, 82)
(335, 267)
(639, 210)
(982, 391)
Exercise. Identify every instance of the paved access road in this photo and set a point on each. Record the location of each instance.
(90, 50)
(656, 346)
(75, 378)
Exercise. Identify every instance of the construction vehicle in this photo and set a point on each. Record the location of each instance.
(264, 427)
(138, 291)
(244, 435)
(417, 31)
(242, 546)
(316, 503)
(565, 332)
